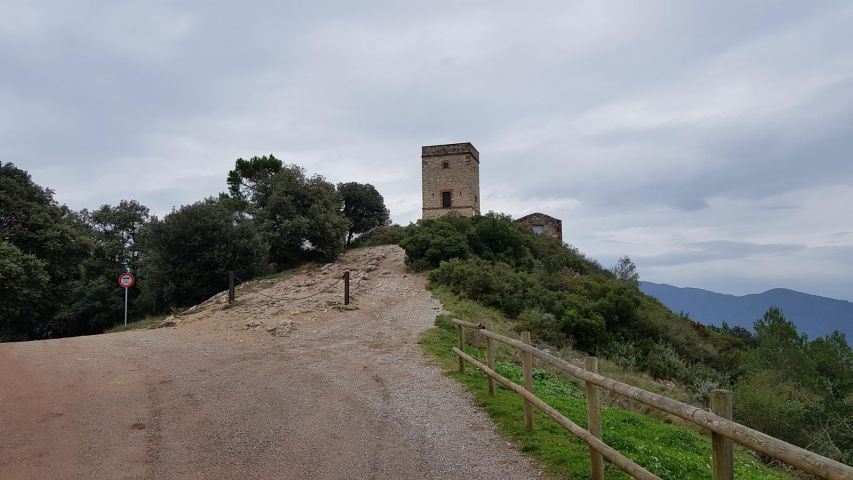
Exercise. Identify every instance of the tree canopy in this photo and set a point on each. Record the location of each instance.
(43, 246)
(250, 180)
(187, 255)
(364, 207)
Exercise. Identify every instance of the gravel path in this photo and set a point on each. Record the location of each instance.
(262, 389)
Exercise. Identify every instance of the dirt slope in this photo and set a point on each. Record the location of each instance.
(327, 393)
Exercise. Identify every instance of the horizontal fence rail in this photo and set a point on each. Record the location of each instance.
(800, 458)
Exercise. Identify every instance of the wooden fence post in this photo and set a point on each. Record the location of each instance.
(346, 287)
(593, 417)
(461, 345)
(490, 362)
(230, 287)
(721, 404)
(527, 369)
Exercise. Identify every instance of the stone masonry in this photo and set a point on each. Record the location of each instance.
(543, 224)
(451, 179)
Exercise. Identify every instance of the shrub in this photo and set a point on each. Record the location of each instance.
(663, 362)
(387, 235)
(428, 244)
(625, 354)
(770, 402)
(498, 285)
(189, 253)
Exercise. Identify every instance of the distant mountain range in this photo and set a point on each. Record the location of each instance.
(816, 316)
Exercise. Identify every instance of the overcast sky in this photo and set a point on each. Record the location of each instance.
(711, 143)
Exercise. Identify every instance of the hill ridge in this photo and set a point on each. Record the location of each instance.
(814, 315)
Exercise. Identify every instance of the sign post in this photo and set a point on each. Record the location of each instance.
(125, 281)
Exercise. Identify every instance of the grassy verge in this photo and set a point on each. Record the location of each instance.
(144, 323)
(667, 450)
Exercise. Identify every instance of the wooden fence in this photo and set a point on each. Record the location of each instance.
(724, 431)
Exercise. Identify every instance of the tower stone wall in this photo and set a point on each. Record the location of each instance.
(450, 179)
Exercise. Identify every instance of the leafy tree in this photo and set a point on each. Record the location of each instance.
(115, 229)
(24, 286)
(625, 271)
(364, 207)
(249, 182)
(31, 220)
(300, 217)
(96, 302)
(833, 359)
(187, 255)
(44, 245)
(780, 347)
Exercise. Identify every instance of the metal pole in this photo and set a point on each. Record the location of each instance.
(125, 307)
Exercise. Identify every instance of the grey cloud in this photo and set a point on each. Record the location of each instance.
(638, 121)
(699, 252)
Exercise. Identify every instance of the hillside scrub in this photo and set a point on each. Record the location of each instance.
(785, 385)
(551, 289)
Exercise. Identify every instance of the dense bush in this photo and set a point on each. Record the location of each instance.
(384, 235)
(188, 254)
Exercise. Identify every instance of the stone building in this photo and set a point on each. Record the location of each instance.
(543, 224)
(450, 176)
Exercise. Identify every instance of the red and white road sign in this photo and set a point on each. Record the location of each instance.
(126, 280)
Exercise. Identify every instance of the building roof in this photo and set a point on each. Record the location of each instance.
(536, 215)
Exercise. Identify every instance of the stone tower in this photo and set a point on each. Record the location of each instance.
(451, 179)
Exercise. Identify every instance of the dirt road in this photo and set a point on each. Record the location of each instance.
(267, 388)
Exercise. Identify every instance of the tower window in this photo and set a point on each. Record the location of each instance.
(540, 229)
(446, 199)
(445, 165)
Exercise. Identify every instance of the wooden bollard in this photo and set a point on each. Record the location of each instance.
(721, 404)
(461, 346)
(593, 417)
(490, 362)
(230, 287)
(346, 287)
(527, 370)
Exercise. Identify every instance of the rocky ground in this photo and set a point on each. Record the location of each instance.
(285, 383)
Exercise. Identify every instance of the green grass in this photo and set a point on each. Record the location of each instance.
(144, 323)
(667, 450)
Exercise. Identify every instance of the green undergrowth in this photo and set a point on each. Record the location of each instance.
(667, 450)
(141, 324)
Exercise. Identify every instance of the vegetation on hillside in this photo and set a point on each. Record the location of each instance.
(58, 267)
(798, 389)
(669, 451)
